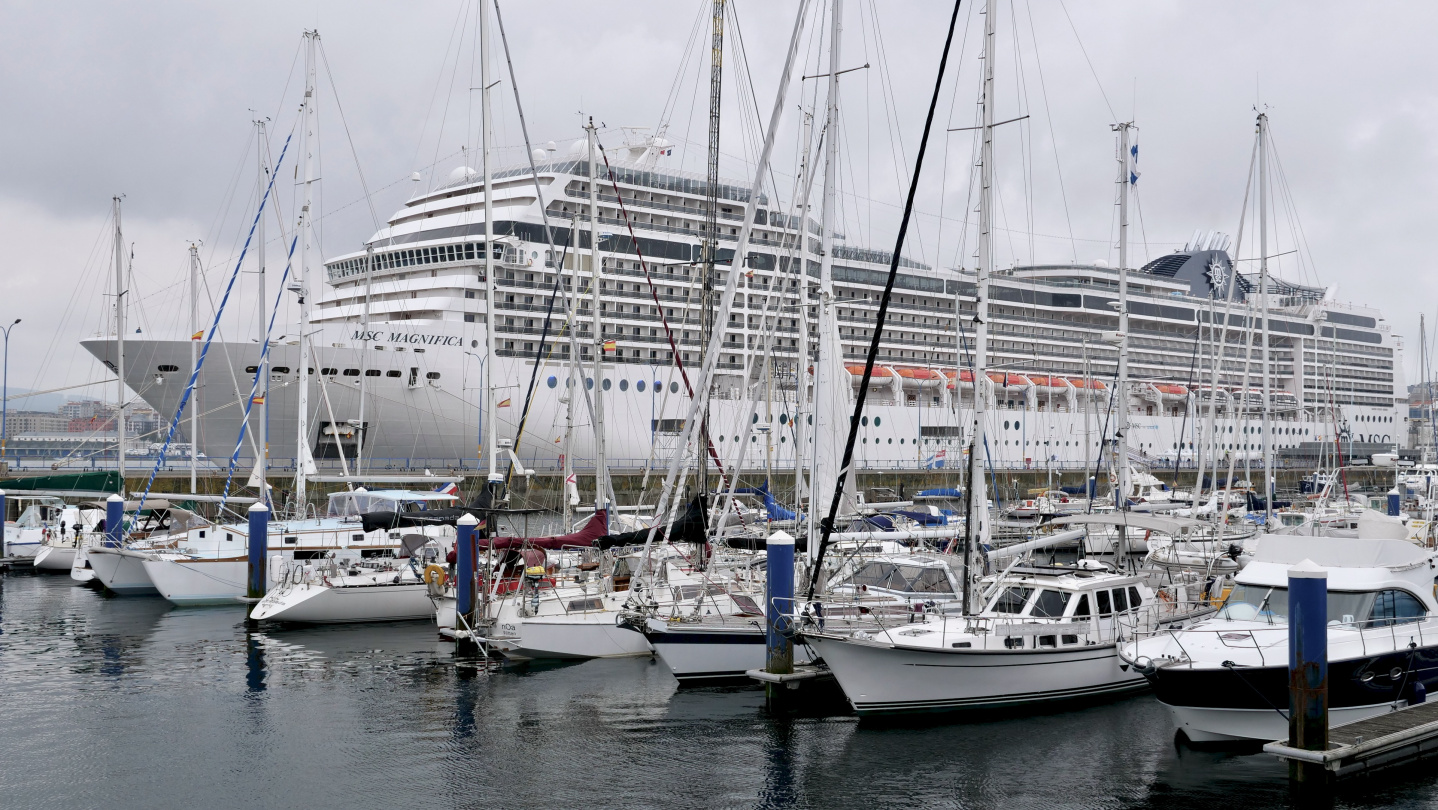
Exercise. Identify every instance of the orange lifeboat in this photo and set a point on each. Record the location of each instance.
(880, 372)
(1086, 385)
(919, 377)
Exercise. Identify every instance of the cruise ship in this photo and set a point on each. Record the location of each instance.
(400, 367)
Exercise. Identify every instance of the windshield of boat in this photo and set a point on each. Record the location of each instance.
(898, 577)
(1263, 603)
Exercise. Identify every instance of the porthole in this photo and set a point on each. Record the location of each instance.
(891, 441)
(1006, 424)
(394, 372)
(589, 383)
(639, 386)
(608, 384)
(474, 344)
(754, 420)
(864, 421)
(553, 381)
(673, 387)
(783, 418)
(876, 421)
(165, 369)
(811, 422)
(623, 385)
(434, 375)
(1016, 424)
(658, 386)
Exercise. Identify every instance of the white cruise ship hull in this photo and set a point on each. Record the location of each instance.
(880, 678)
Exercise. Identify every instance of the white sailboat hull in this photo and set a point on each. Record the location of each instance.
(121, 571)
(55, 558)
(700, 653)
(321, 604)
(585, 635)
(880, 678)
(199, 582)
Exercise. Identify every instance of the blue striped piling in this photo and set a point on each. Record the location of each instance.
(114, 520)
(1307, 666)
(259, 544)
(464, 573)
(779, 602)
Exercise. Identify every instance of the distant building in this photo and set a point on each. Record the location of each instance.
(17, 422)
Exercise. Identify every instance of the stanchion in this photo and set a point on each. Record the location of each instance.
(1307, 667)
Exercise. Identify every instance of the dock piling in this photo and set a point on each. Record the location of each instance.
(464, 573)
(114, 520)
(779, 604)
(1307, 667)
(259, 516)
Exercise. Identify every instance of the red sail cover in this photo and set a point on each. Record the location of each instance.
(593, 530)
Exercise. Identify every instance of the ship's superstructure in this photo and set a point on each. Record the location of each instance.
(403, 321)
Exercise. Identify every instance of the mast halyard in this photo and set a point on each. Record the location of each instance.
(711, 235)
(120, 347)
(801, 308)
(304, 460)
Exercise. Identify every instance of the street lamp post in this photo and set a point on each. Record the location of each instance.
(5, 393)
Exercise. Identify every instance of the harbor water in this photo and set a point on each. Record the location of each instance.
(128, 702)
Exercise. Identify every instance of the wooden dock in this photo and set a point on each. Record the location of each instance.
(1395, 738)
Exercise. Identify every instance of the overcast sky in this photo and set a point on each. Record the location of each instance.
(155, 101)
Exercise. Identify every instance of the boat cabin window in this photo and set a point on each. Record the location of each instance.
(1395, 607)
(1105, 607)
(1120, 600)
(1050, 604)
(1248, 603)
(1012, 600)
(746, 606)
(1081, 609)
(1134, 600)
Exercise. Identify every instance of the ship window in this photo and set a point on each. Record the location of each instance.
(1012, 600)
(553, 381)
(1105, 608)
(1048, 641)
(371, 372)
(251, 369)
(1051, 604)
(673, 387)
(329, 372)
(608, 384)
(431, 375)
(281, 369)
(167, 367)
(1082, 608)
(392, 373)
(623, 385)
(639, 386)
(1120, 600)
(351, 372)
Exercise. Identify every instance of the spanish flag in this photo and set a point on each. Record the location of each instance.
(610, 345)
(258, 399)
(200, 335)
(503, 403)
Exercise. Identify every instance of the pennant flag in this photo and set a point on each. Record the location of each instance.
(1133, 165)
(200, 335)
(448, 489)
(610, 345)
(558, 439)
(504, 403)
(258, 399)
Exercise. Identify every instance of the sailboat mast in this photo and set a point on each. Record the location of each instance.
(304, 465)
(120, 347)
(801, 307)
(711, 225)
(1121, 488)
(977, 500)
(1267, 427)
(831, 351)
(601, 471)
(262, 423)
(194, 364)
(491, 438)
